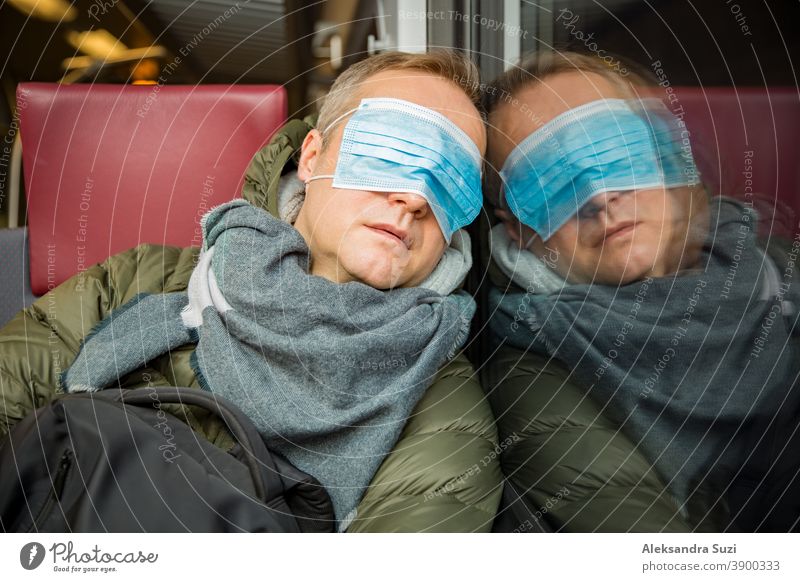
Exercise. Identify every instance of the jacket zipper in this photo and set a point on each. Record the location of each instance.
(57, 488)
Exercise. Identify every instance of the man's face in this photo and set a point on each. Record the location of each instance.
(617, 237)
(382, 239)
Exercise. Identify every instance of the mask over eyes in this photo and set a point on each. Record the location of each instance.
(603, 146)
(392, 145)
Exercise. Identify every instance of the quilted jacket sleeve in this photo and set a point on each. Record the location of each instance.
(575, 468)
(42, 340)
(444, 473)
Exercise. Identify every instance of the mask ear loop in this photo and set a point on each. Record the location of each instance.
(327, 129)
(530, 240)
(338, 119)
(319, 177)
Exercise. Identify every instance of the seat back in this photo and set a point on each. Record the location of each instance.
(108, 167)
(15, 290)
(746, 143)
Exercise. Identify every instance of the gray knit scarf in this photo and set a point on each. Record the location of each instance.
(328, 372)
(694, 366)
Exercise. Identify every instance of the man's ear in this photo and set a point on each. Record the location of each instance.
(309, 154)
(511, 225)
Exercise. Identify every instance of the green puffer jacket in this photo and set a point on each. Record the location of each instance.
(427, 483)
(574, 468)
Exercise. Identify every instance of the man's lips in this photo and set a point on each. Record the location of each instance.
(392, 232)
(620, 229)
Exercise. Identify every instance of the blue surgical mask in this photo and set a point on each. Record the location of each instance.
(392, 145)
(603, 146)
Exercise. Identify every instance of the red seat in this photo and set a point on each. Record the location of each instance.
(748, 134)
(108, 167)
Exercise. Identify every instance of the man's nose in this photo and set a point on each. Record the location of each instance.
(606, 199)
(606, 204)
(414, 203)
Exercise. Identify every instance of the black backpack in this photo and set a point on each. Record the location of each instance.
(116, 461)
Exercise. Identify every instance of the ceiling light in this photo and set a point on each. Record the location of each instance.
(100, 44)
(50, 10)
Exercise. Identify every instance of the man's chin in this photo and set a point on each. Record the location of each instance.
(378, 278)
(376, 271)
(621, 272)
(634, 272)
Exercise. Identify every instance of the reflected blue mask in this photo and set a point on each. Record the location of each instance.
(392, 145)
(603, 146)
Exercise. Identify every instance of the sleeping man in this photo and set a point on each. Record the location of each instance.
(327, 327)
